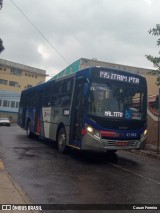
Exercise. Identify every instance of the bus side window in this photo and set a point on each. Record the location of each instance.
(57, 101)
(66, 92)
(45, 98)
(55, 97)
(47, 95)
(65, 100)
(35, 99)
(29, 99)
(52, 95)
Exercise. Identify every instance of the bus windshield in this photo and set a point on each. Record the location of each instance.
(117, 101)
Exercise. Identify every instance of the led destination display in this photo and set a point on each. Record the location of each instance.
(119, 77)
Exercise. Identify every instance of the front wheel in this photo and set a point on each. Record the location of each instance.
(111, 152)
(62, 141)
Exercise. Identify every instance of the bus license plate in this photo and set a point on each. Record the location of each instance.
(122, 143)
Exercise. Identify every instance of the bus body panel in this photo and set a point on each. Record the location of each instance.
(91, 143)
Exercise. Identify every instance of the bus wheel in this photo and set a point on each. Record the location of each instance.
(28, 130)
(62, 141)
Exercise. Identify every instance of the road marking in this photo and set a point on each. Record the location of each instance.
(1, 165)
(139, 175)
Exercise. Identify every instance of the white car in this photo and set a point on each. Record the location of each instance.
(5, 122)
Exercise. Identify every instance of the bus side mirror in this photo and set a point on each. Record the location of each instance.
(86, 90)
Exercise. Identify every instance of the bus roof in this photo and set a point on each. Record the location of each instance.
(81, 73)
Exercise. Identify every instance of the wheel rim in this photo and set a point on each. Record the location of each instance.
(62, 142)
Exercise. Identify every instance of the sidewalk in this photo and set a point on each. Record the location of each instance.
(11, 193)
(150, 151)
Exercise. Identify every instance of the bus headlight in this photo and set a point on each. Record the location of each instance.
(93, 132)
(145, 133)
(89, 129)
(143, 136)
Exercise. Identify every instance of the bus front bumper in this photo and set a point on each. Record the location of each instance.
(89, 142)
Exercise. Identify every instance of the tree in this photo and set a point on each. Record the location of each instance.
(1, 4)
(1, 45)
(1, 42)
(155, 60)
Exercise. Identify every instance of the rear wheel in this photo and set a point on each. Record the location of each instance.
(61, 140)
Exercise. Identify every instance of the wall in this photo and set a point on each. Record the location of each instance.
(10, 115)
(152, 134)
(151, 84)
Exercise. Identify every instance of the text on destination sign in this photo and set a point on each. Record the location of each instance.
(118, 77)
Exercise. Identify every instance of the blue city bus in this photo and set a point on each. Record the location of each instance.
(96, 109)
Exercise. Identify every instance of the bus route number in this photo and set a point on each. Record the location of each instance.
(131, 134)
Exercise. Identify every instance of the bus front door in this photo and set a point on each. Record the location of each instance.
(77, 113)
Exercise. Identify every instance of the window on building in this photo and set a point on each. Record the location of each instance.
(29, 86)
(6, 103)
(15, 71)
(17, 104)
(13, 84)
(29, 75)
(2, 81)
(13, 104)
(0, 102)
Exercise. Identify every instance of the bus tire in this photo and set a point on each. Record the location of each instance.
(28, 130)
(110, 152)
(61, 141)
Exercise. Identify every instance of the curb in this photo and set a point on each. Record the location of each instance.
(148, 153)
(11, 192)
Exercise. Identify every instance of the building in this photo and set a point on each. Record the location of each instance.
(84, 63)
(14, 78)
(9, 101)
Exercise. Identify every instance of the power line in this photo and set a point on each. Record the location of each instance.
(33, 25)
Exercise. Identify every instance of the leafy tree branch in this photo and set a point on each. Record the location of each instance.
(1, 45)
(1, 42)
(155, 60)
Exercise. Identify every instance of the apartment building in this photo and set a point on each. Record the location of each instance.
(14, 78)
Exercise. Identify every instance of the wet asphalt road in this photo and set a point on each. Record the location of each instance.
(79, 178)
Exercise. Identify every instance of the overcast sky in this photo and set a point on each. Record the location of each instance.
(114, 31)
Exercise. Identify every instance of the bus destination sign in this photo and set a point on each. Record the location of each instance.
(119, 77)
